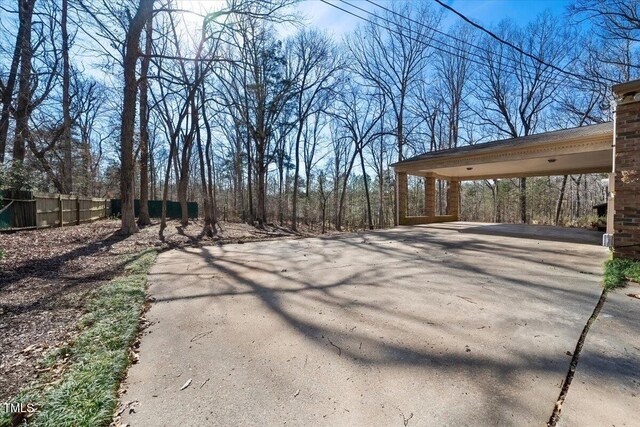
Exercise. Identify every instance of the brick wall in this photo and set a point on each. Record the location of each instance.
(453, 200)
(402, 197)
(626, 219)
(430, 196)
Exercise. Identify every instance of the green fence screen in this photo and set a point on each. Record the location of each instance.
(6, 213)
(17, 209)
(155, 208)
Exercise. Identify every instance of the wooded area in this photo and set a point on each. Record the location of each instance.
(240, 106)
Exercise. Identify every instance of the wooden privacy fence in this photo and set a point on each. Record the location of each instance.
(25, 209)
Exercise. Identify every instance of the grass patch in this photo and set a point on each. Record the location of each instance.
(618, 271)
(86, 395)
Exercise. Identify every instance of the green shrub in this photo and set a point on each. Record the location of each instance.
(618, 271)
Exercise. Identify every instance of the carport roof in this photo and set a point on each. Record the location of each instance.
(576, 150)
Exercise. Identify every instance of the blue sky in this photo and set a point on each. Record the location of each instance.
(486, 12)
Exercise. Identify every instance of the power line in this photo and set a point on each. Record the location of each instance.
(454, 53)
(511, 45)
(410, 37)
(436, 30)
(470, 52)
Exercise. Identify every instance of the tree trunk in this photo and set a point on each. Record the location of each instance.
(498, 201)
(143, 217)
(323, 201)
(7, 94)
(400, 142)
(578, 199)
(281, 187)
(183, 187)
(132, 45)
(210, 171)
(523, 201)
(336, 185)
(560, 198)
(296, 177)
(366, 192)
(206, 230)
(251, 217)
(400, 136)
(165, 190)
(154, 175)
(239, 179)
(261, 215)
(381, 184)
(67, 164)
(22, 113)
(176, 163)
(171, 160)
(344, 191)
(183, 182)
(88, 178)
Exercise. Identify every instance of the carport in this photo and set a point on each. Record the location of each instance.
(587, 149)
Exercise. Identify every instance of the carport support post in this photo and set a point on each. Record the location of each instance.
(430, 196)
(453, 204)
(626, 219)
(402, 201)
(610, 203)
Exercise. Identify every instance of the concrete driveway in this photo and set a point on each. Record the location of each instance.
(413, 326)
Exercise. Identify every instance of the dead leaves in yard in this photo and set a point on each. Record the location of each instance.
(46, 276)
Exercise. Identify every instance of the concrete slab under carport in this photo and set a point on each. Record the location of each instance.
(412, 326)
(527, 231)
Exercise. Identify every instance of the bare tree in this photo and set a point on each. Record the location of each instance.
(340, 165)
(90, 97)
(380, 151)
(360, 114)
(22, 112)
(324, 193)
(143, 216)
(516, 91)
(208, 181)
(314, 64)
(609, 55)
(25, 14)
(38, 72)
(132, 47)
(67, 169)
(617, 27)
(267, 91)
(391, 53)
(453, 70)
(313, 152)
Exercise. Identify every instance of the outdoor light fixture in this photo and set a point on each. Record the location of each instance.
(551, 160)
